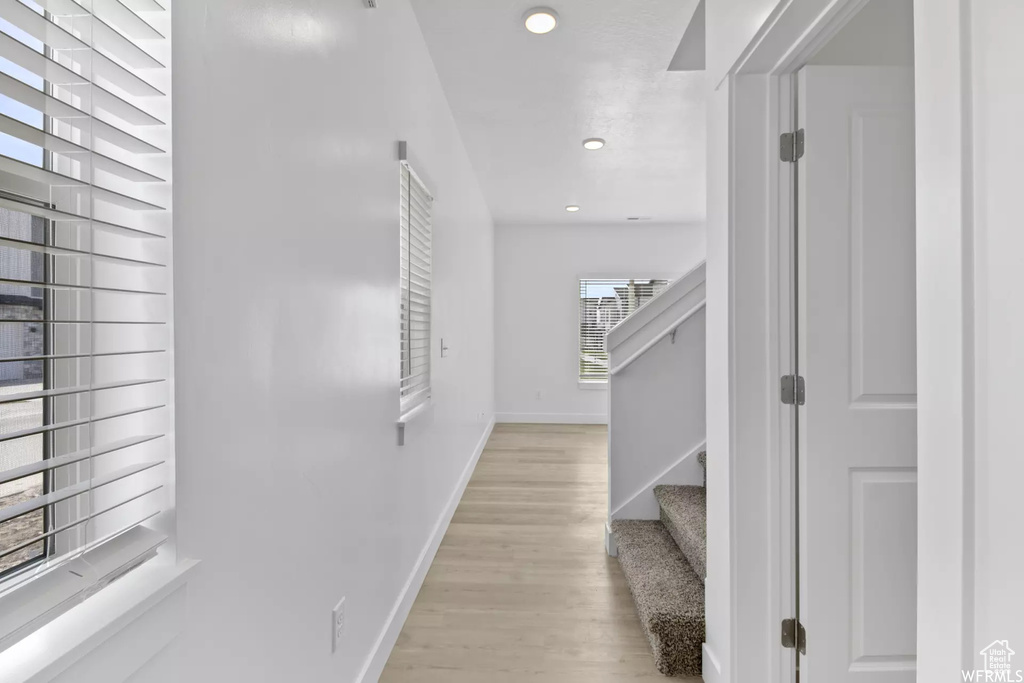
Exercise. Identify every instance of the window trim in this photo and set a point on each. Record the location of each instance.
(417, 403)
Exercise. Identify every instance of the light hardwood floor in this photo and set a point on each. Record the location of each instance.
(521, 588)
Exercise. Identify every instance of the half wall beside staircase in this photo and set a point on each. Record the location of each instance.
(656, 398)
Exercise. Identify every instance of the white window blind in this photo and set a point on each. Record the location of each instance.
(604, 303)
(417, 204)
(84, 289)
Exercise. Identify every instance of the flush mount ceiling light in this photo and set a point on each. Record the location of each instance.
(541, 20)
(572, 208)
(593, 143)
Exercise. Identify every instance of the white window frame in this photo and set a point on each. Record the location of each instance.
(416, 253)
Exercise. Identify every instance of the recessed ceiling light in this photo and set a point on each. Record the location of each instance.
(572, 208)
(593, 143)
(541, 20)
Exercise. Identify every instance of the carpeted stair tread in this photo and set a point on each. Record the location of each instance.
(684, 512)
(669, 596)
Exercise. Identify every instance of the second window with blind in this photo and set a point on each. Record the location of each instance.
(416, 265)
(604, 303)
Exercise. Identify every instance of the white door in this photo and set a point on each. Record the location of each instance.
(857, 353)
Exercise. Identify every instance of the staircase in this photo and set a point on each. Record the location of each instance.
(665, 562)
(657, 507)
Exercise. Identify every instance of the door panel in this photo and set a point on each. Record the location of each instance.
(857, 353)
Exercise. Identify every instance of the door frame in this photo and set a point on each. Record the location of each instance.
(758, 96)
(744, 323)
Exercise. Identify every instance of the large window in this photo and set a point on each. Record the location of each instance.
(416, 207)
(84, 333)
(604, 303)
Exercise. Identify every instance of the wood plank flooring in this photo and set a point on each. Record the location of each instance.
(521, 589)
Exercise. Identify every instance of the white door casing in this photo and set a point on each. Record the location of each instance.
(857, 353)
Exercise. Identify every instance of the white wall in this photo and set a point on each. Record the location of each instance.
(657, 421)
(730, 26)
(291, 489)
(876, 36)
(970, 369)
(537, 269)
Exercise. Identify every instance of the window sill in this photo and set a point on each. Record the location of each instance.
(54, 647)
(419, 411)
(593, 386)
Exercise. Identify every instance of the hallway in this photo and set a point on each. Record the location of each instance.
(521, 588)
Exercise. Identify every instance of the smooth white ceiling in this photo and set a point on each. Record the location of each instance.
(524, 104)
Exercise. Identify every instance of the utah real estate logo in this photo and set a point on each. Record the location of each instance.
(998, 666)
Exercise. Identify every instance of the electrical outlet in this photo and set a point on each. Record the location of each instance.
(540, 394)
(337, 625)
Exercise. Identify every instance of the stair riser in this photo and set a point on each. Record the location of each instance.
(692, 551)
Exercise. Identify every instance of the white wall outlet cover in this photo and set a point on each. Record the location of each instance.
(337, 625)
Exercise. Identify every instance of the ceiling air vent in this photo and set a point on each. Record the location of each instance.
(372, 4)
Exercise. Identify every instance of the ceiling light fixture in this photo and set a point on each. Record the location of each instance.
(593, 143)
(572, 208)
(541, 20)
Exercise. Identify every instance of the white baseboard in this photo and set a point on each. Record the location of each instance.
(378, 657)
(552, 418)
(642, 504)
(711, 670)
(609, 541)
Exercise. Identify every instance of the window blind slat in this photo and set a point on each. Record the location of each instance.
(53, 179)
(144, 5)
(74, 253)
(67, 356)
(32, 431)
(68, 391)
(72, 491)
(60, 145)
(63, 8)
(83, 520)
(72, 458)
(124, 16)
(79, 221)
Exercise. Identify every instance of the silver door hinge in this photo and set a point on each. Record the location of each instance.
(794, 636)
(791, 145)
(793, 393)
